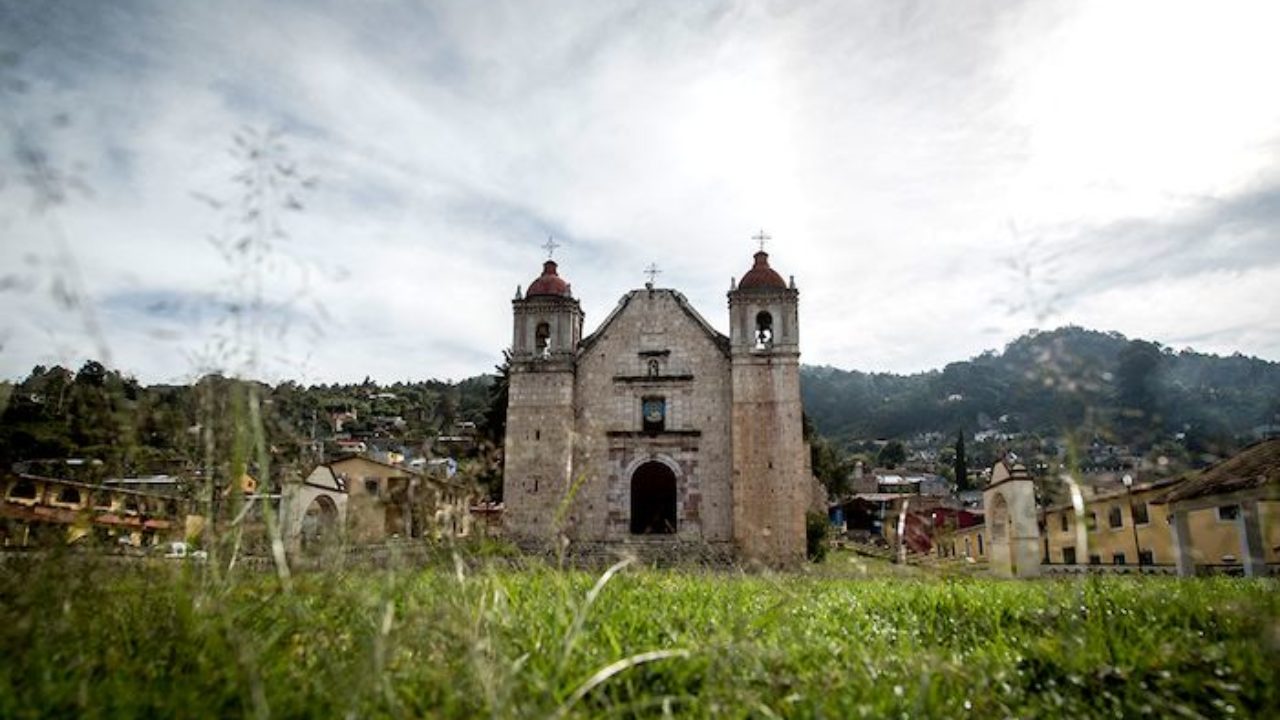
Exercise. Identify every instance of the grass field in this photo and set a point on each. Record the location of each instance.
(82, 639)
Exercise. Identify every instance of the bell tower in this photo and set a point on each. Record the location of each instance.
(538, 450)
(770, 486)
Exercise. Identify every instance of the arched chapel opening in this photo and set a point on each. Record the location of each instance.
(320, 523)
(653, 500)
(1001, 524)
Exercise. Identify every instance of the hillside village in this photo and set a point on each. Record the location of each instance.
(395, 463)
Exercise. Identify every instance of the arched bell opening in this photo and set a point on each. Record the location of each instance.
(542, 339)
(764, 330)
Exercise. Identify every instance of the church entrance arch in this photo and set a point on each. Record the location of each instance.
(653, 500)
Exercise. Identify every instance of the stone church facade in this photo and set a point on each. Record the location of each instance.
(656, 428)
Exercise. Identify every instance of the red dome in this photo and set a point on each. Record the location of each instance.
(549, 283)
(761, 275)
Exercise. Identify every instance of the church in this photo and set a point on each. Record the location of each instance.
(657, 428)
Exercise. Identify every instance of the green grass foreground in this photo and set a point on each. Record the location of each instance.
(80, 639)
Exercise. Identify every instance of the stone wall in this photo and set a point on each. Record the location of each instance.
(692, 376)
(646, 551)
(771, 487)
(539, 447)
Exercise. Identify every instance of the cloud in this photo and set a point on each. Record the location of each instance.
(898, 153)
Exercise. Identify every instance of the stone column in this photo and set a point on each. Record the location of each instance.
(1182, 543)
(1251, 553)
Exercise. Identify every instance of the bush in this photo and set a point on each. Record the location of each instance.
(816, 531)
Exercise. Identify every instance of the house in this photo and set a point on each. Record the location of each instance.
(1241, 493)
(1226, 517)
(361, 500)
(39, 510)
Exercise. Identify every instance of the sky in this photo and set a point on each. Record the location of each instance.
(939, 177)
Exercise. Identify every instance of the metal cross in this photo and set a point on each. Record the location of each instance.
(762, 238)
(652, 271)
(550, 246)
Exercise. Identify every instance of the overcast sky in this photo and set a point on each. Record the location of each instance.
(939, 177)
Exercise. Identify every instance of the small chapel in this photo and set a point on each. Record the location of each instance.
(657, 428)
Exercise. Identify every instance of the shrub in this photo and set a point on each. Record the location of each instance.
(816, 531)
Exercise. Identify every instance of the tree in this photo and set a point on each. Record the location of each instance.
(495, 413)
(1136, 375)
(817, 528)
(830, 466)
(961, 464)
(892, 455)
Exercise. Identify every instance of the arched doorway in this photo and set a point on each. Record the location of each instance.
(320, 523)
(653, 500)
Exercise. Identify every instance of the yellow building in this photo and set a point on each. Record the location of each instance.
(1229, 516)
(44, 510)
(970, 542)
(1120, 527)
(1243, 491)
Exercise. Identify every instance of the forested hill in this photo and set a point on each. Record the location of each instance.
(1065, 380)
(101, 414)
(1048, 382)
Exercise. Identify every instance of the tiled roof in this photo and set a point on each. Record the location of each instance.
(1256, 466)
(761, 275)
(549, 283)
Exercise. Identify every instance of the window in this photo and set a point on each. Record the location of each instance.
(1095, 559)
(102, 500)
(979, 543)
(1092, 522)
(1228, 512)
(764, 330)
(653, 412)
(655, 368)
(1114, 518)
(23, 490)
(1066, 521)
(371, 485)
(1117, 559)
(1069, 555)
(1146, 557)
(1140, 516)
(69, 495)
